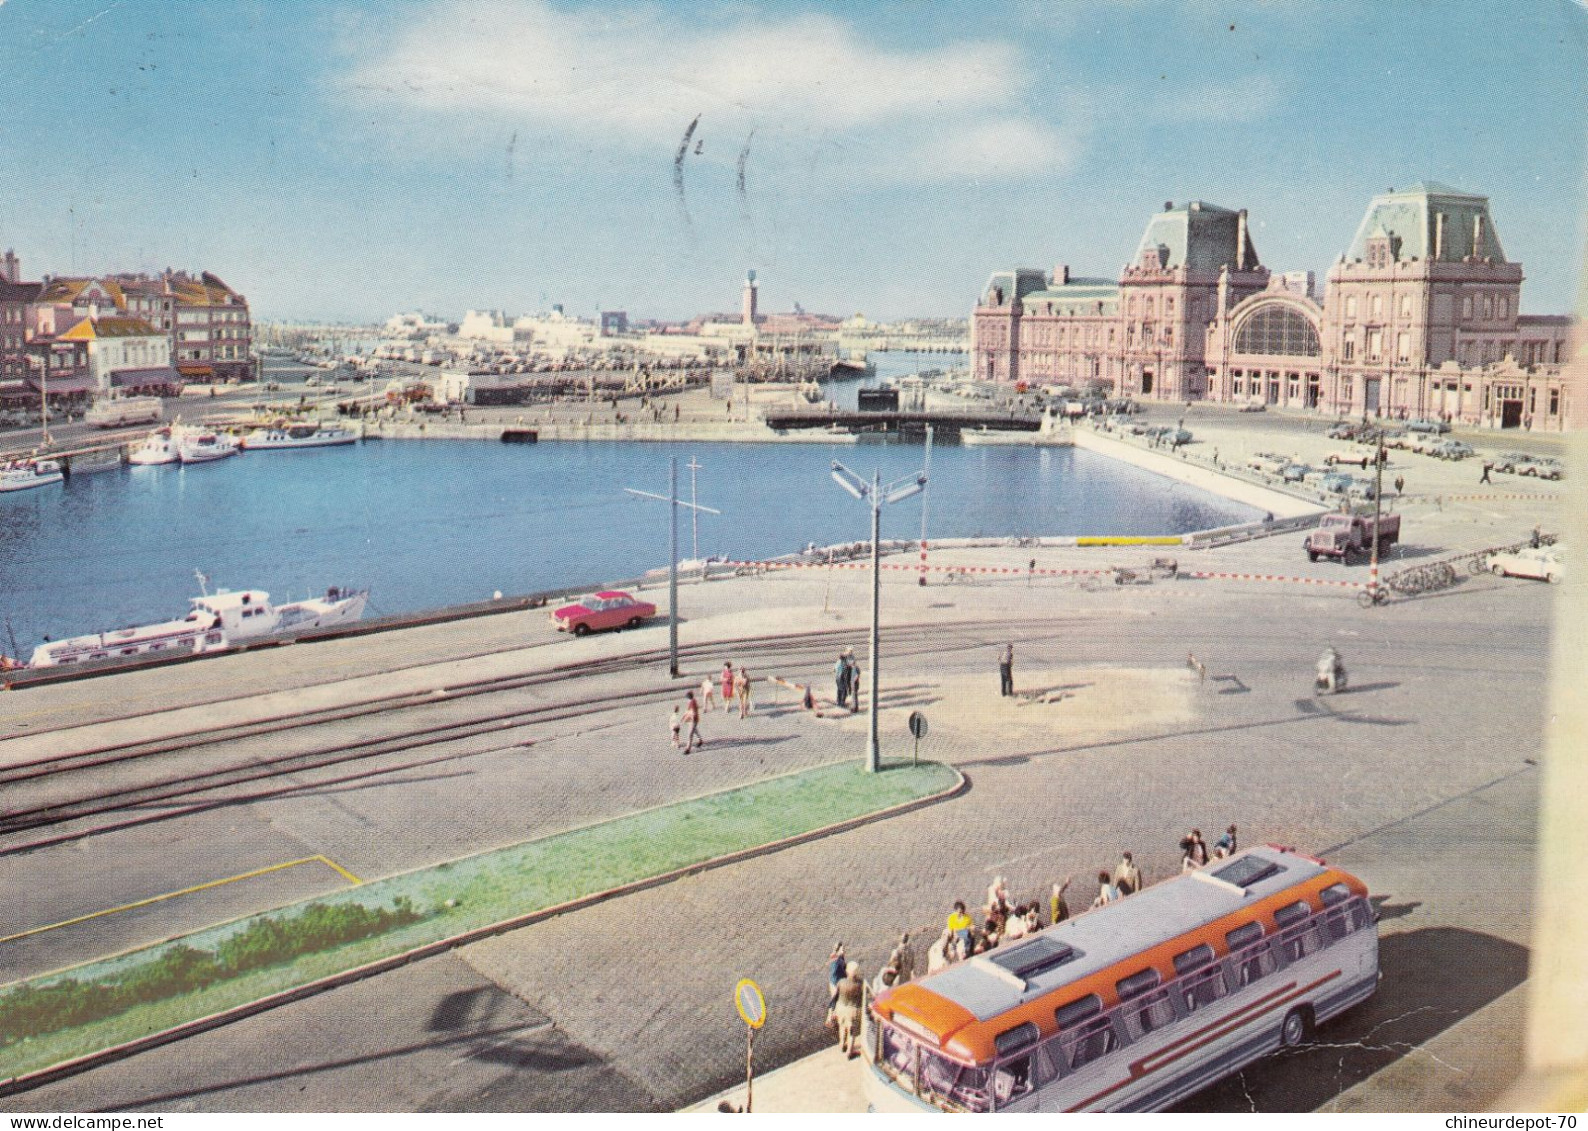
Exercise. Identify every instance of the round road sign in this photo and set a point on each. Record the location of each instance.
(752, 1006)
(918, 724)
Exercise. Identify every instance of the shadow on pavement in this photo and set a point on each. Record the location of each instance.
(1432, 979)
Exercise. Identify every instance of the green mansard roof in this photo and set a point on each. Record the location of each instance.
(1197, 235)
(1410, 217)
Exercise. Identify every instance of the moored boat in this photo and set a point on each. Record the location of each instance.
(224, 619)
(24, 474)
(204, 446)
(298, 435)
(158, 447)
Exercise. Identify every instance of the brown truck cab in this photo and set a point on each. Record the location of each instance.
(1341, 535)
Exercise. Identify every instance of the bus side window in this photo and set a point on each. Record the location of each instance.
(1086, 1044)
(1253, 963)
(1045, 1061)
(1148, 1014)
(1202, 988)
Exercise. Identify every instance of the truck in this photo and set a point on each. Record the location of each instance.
(119, 411)
(1342, 534)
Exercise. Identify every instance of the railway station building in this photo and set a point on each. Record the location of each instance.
(1421, 317)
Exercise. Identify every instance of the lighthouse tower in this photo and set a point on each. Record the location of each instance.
(749, 299)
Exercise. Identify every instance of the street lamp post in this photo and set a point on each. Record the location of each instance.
(876, 495)
(674, 502)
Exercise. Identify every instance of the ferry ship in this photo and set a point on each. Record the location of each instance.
(303, 435)
(22, 475)
(218, 621)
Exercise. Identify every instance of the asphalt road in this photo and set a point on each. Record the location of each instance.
(1444, 714)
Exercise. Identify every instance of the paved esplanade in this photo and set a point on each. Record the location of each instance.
(1421, 779)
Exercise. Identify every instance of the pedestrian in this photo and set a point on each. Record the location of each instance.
(708, 691)
(727, 685)
(1199, 848)
(1127, 877)
(851, 999)
(938, 954)
(741, 691)
(841, 678)
(1006, 671)
(677, 724)
(1215, 457)
(836, 965)
(1056, 905)
(1225, 845)
(854, 679)
(1487, 467)
(1538, 537)
(692, 737)
(959, 926)
(998, 897)
(903, 959)
(1106, 891)
(1400, 484)
(885, 980)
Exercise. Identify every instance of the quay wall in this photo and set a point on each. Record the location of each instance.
(1279, 503)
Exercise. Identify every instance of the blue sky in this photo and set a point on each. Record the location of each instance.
(346, 161)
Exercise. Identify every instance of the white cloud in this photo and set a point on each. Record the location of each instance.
(633, 81)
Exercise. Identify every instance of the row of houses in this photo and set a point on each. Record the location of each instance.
(76, 338)
(1421, 317)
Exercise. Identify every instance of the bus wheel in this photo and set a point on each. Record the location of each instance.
(1294, 1030)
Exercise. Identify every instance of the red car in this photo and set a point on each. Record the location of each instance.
(612, 609)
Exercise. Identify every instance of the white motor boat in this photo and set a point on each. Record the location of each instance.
(204, 446)
(24, 474)
(158, 447)
(218, 621)
(300, 435)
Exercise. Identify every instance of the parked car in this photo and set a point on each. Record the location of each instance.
(1269, 463)
(1336, 483)
(1426, 425)
(1541, 466)
(1543, 564)
(1452, 449)
(610, 609)
(1294, 472)
(1361, 489)
(1509, 461)
(1254, 406)
(1342, 431)
(1351, 455)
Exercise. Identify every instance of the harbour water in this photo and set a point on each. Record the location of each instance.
(429, 523)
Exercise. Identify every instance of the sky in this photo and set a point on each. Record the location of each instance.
(341, 161)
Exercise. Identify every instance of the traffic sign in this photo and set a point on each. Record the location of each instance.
(918, 725)
(752, 1006)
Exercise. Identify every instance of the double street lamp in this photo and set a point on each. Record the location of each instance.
(876, 495)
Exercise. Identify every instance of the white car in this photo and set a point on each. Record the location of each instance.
(1542, 564)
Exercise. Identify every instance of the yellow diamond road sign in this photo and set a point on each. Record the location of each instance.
(752, 1006)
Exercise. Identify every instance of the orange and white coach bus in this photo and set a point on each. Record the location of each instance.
(1137, 1004)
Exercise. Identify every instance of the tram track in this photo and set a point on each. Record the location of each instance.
(182, 794)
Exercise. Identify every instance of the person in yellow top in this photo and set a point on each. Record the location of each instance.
(959, 925)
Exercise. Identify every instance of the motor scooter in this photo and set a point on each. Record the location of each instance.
(1330, 678)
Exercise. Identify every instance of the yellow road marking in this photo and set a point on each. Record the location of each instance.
(331, 864)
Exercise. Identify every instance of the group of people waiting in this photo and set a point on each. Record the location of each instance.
(686, 717)
(846, 680)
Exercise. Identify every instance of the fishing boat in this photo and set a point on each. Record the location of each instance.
(158, 447)
(204, 446)
(218, 621)
(298, 435)
(25, 474)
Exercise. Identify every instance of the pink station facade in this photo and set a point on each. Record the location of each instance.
(1420, 319)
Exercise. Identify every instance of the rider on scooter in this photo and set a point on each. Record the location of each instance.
(1331, 671)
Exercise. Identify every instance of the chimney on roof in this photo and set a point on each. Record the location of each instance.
(1439, 236)
(1061, 274)
(1168, 206)
(1240, 240)
(11, 269)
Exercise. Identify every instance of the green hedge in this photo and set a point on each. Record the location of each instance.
(33, 1010)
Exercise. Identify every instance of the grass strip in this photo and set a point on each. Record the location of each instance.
(432, 904)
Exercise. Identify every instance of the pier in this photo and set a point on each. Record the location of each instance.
(904, 421)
